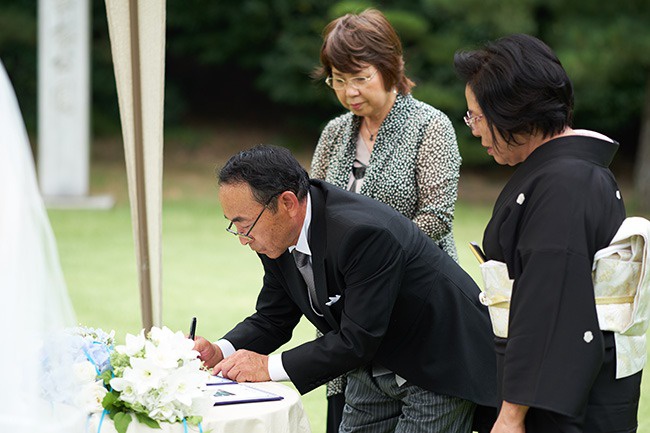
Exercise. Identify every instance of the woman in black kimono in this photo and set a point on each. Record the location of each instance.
(556, 368)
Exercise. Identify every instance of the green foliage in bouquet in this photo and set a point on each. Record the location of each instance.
(119, 411)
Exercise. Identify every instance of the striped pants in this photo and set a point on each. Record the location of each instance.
(380, 405)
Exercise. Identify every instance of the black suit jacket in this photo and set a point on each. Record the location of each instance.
(404, 304)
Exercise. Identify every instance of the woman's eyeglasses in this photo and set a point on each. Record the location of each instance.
(470, 119)
(354, 82)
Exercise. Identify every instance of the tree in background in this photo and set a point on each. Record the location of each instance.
(605, 46)
(642, 165)
(253, 58)
(18, 53)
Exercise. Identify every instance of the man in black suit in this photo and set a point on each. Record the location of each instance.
(397, 314)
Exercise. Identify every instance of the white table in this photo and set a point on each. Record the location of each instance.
(282, 416)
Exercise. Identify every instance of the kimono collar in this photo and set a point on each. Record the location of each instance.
(591, 149)
(594, 150)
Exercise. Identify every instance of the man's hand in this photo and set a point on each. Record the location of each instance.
(209, 353)
(511, 419)
(244, 366)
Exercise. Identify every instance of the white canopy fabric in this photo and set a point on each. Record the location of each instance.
(137, 33)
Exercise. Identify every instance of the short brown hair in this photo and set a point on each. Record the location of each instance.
(352, 41)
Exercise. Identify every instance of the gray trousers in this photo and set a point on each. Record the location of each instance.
(379, 405)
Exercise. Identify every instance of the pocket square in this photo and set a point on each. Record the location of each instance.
(333, 300)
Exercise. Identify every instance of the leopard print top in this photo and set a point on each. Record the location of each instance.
(414, 165)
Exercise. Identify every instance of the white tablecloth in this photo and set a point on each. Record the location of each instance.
(282, 416)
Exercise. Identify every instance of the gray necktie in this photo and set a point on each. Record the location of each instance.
(302, 262)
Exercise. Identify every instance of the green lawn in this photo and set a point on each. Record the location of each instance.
(206, 273)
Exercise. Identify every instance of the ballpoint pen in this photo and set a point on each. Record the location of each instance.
(192, 329)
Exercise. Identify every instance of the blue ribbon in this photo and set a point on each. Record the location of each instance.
(101, 420)
(92, 361)
(185, 426)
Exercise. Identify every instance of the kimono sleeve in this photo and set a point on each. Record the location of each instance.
(555, 347)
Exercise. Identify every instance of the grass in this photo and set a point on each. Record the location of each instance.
(206, 273)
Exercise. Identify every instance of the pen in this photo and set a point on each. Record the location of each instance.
(192, 329)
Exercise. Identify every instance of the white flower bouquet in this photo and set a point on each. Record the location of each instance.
(155, 377)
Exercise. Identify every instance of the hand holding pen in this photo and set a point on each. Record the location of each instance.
(209, 353)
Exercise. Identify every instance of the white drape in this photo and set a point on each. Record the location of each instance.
(34, 302)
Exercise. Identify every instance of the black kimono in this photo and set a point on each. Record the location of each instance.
(561, 205)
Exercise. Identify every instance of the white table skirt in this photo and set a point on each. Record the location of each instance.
(282, 416)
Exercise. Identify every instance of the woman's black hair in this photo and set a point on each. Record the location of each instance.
(520, 85)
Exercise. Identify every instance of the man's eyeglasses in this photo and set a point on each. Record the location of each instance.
(247, 234)
(471, 119)
(354, 82)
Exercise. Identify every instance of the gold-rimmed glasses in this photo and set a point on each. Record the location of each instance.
(354, 82)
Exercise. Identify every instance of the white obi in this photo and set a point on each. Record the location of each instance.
(621, 287)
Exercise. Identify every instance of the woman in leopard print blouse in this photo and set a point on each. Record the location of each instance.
(407, 148)
(389, 146)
